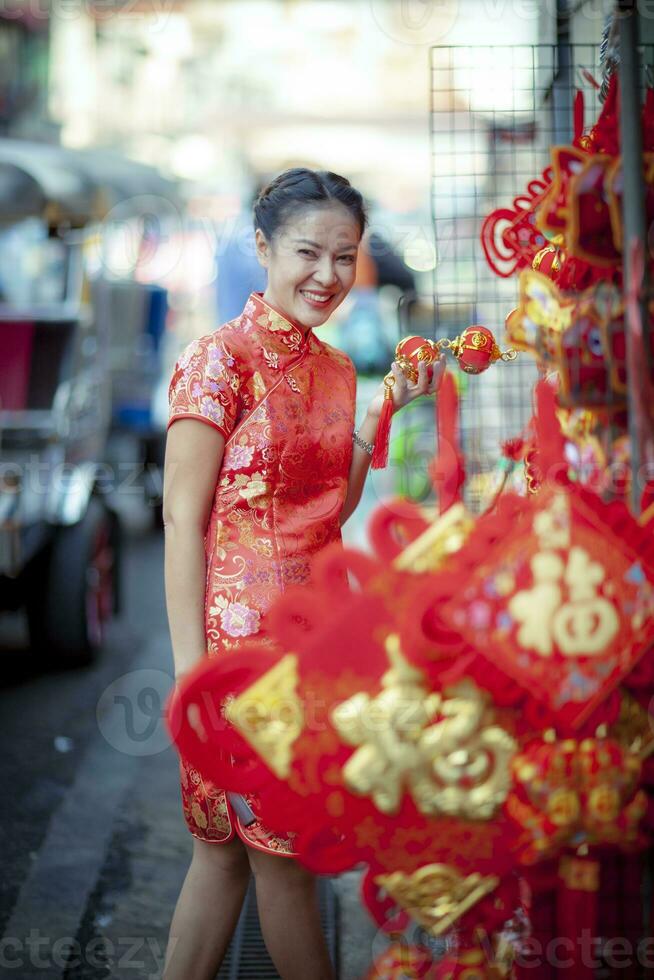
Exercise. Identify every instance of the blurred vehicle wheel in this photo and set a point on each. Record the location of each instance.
(153, 468)
(74, 589)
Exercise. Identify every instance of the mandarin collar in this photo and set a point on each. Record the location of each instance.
(289, 331)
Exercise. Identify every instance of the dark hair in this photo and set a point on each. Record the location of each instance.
(294, 189)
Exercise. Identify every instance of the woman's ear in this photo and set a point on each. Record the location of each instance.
(263, 248)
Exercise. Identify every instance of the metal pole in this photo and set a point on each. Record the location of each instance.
(634, 223)
(562, 88)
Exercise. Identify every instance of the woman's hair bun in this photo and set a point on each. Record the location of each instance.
(300, 187)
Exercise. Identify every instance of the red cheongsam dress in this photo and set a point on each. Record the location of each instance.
(284, 401)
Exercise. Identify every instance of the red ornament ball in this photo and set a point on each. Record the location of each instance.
(411, 350)
(475, 349)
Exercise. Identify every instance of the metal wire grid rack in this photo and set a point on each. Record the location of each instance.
(494, 114)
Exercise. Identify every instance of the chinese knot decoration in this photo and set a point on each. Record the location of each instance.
(467, 714)
(577, 313)
(571, 314)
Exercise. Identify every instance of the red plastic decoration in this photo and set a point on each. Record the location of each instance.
(548, 261)
(447, 471)
(476, 350)
(563, 602)
(383, 434)
(408, 353)
(509, 236)
(411, 351)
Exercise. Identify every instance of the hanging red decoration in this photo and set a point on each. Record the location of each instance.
(580, 335)
(447, 469)
(549, 260)
(475, 350)
(564, 603)
(409, 353)
(509, 236)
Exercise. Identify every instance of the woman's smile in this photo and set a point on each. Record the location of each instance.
(316, 299)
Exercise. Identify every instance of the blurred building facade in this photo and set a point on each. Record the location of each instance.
(224, 93)
(24, 60)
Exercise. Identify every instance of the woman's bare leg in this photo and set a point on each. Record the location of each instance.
(288, 913)
(207, 910)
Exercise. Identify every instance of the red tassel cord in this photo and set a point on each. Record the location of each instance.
(447, 470)
(576, 915)
(550, 443)
(578, 113)
(382, 439)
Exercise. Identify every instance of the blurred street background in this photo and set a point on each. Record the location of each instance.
(134, 135)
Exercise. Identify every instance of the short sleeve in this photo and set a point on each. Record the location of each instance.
(205, 384)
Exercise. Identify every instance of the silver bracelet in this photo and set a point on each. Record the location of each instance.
(368, 446)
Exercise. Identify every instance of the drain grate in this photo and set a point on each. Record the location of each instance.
(247, 955)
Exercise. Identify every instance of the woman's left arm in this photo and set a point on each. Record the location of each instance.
(404, 391)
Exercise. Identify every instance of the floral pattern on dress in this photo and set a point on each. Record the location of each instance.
(288, 402)
(240, 457)
(205, 384)
(239, 620)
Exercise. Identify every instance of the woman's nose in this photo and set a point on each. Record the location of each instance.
(325, 272)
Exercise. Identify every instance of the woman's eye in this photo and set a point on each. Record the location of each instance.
(348, 259)
(307, 251)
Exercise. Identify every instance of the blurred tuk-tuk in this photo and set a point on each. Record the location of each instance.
(61, 333)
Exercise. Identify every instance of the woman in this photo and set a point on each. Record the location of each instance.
(249, 497)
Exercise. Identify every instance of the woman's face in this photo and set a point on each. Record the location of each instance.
(311, 262)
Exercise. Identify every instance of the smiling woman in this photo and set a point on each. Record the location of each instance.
(250, 497)
(308, 227)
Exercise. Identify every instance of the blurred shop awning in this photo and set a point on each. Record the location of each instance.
(76, 186)
(34, 177)
(122, 178)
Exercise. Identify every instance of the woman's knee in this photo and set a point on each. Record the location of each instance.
(273, 866)
(230, 858)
